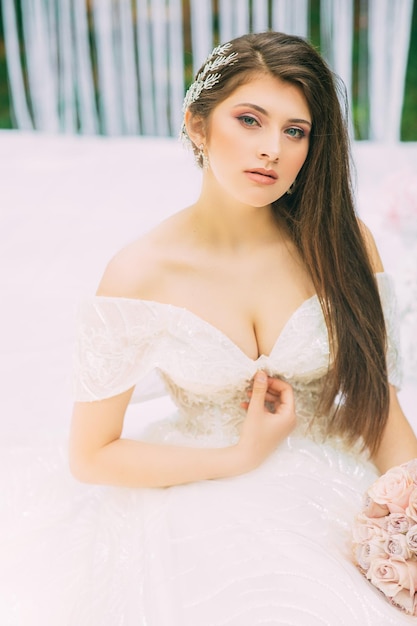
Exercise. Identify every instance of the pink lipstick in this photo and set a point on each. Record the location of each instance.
(262, 176)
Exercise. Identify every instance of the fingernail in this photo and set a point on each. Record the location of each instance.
(261, 377)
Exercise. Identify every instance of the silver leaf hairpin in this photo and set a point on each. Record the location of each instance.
(206, 79)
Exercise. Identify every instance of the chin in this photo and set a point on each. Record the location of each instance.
(260, 203)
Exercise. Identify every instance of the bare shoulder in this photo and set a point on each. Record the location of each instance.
(136, 268)
(371, 247)
(122, 275)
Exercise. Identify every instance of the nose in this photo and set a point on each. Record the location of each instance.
(270, 152)
(270, 156)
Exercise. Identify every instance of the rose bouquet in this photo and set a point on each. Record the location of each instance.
(385, 536)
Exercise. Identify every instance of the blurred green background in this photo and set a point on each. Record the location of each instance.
(360, 112)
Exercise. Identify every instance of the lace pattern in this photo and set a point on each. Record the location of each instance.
(217, 418)
(121, 340)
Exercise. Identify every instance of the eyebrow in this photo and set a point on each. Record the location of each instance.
(261, 110)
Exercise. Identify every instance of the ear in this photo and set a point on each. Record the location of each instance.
(196, 128)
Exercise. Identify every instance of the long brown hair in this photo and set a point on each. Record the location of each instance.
(321, 218)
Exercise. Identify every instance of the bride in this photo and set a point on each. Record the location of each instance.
(265, 309)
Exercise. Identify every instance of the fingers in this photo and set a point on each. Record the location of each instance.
(268, 420)
(270, 394)
(284, 390)
(278, 385)
(259, 389)
(277, 389)
(260, 381)
(271, 403)
(269, 397)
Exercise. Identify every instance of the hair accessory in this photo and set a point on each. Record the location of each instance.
(204, 80)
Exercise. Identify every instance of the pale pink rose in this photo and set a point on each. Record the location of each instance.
(365, 553)
(376, 511)
(411, 510)
(393, 489)
(397, 545)
(392, 575)
(365, 528)
(397, 523)
(405, 601)
(411, 537)
(411, 467)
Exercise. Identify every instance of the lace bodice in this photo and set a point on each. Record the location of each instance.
(121, 340)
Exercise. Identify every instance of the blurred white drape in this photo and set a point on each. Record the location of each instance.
(125, 74)
(389, 41)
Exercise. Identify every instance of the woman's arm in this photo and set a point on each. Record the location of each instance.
(99, 455)
(399, 443)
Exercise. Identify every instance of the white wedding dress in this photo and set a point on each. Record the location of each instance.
(269, 547)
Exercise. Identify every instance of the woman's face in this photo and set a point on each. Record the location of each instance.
(257, 140)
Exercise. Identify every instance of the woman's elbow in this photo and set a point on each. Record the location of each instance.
(94, 466)
(83, 465)
(80, 467)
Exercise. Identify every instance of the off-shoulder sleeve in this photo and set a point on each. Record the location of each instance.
(389, 305)
(115, 346)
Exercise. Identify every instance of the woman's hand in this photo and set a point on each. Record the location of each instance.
(270, 418)
(98, 453)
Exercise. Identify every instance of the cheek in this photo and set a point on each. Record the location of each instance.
(226, 137)
(225, 153)
(300, 159)
(225, 142)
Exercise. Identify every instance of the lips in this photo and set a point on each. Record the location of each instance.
(263, 172)
(262, 176)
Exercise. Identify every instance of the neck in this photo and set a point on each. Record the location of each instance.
(223, 222)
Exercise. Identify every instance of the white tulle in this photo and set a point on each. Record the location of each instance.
(269, 547)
